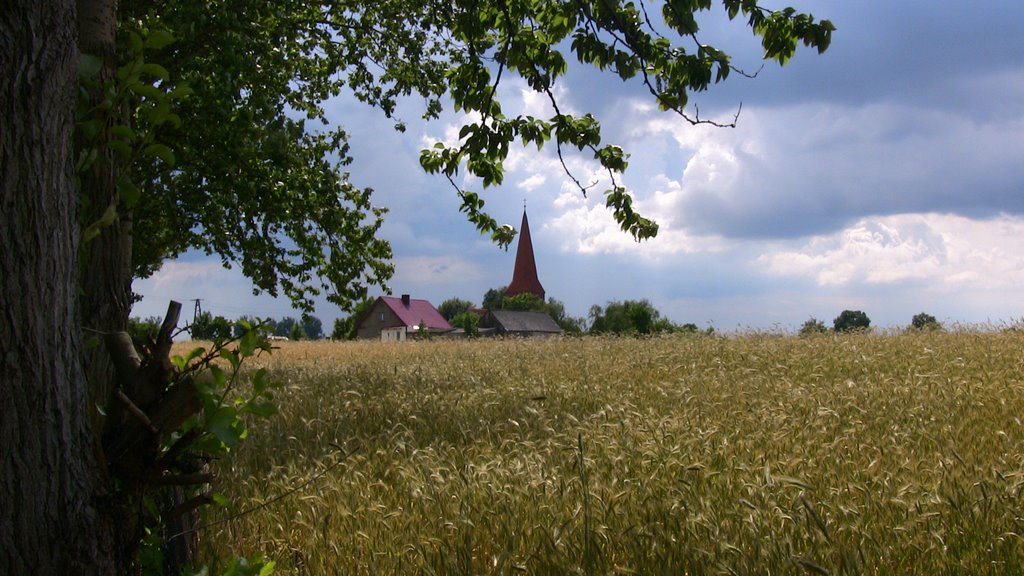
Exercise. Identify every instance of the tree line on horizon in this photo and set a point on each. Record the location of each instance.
(206, 326)
(615, 317)
(620, 317)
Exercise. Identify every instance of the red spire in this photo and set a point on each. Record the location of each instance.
(524, 277)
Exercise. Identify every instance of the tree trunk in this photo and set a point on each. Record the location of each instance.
(106, 263)
(52, 519)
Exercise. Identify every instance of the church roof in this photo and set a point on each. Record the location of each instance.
(524, 277)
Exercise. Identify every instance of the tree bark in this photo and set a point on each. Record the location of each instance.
(52, 518)
(106, 263)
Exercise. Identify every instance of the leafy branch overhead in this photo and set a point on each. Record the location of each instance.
(256, 177)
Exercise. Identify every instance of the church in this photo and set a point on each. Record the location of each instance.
(524, 281)
(397, 319)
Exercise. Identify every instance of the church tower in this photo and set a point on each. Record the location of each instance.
(524, 277)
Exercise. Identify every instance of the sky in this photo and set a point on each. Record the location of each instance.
(886, 175)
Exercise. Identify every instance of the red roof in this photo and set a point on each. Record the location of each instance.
(524, 277)
(417, 312)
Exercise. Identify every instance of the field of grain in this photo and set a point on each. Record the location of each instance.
(751, 454)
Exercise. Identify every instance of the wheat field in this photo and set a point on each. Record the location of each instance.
(747, 454)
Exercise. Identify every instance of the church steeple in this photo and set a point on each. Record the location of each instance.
(524, 277)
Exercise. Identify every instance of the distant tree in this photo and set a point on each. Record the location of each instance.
(493, 298)
(813, 326)
(453, 307)
(691, 328)
(924, 321)
(346, 328)
(297, 332)
(269, 326)
(143, 329)
(523, 302)
(209, 327)
(628, 317)
(284, 326)
(265, 325)
(341, 329)
(571, 325)
(469, 322)
(312, 327)
(851, 321)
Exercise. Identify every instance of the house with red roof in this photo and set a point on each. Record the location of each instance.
(398, 319)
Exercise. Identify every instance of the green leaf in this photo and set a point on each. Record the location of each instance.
(250, 340)
(225, 426)
(182, 362)
(94, 229)
(262, 409)
(260, 382)
(159, 38)
(220, 500)
(156, 70)
(232, 357)
(121, 148)
(123, 132)
(161, 151)
(128, 192)
(89, 66)
(219, 377)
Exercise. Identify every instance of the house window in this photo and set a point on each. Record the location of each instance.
(381, 316)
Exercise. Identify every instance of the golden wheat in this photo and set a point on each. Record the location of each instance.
(683, 455)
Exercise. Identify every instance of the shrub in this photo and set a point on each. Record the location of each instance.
(813, 326)
(468, 321)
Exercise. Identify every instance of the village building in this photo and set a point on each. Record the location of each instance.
(524, 275)
(524, 281)
(517, 323)
(398, 319)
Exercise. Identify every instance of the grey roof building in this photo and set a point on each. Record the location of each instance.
(515, 323)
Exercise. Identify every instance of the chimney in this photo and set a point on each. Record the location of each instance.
(405, 300)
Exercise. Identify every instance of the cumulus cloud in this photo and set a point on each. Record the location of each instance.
(941, 250)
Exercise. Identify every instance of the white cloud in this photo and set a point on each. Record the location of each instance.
(590, 228)
(941, 250)
(531, 182)
(433, 270)
(181, 273)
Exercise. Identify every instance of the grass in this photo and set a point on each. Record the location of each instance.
(687, 455)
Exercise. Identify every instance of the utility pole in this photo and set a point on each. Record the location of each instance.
(198, 310)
